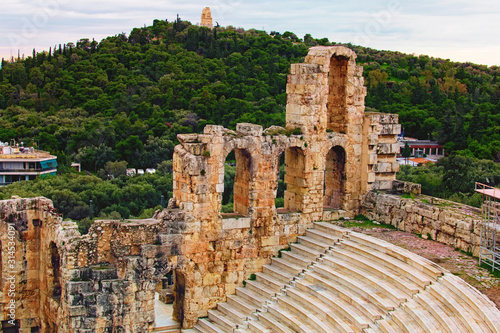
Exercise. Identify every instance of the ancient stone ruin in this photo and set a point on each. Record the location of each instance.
(206, 18)
(105, 281)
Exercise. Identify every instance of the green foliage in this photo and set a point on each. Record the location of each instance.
(363, 222)
(488, 266)
(279, 202)
(124, 100)
(361, 217)
(285, 249)
(406, 152)
(116, 169)
(453, 178)
(127, 98)
(227, 195)
(118, 198)
(84, 225)
(227, 208)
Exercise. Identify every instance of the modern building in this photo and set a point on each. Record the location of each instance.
(422, 148)
(19, 163)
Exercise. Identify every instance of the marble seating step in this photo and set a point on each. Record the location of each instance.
(438, 310)
(405, 322)
(373, 280)
(241, 304)
(306, 251)
(377, 268)
(297, 258)
(232, 312)
(322, 237)
(287, 265)
(270, 282)
(309, 321)
(206, 326)
(258, 326)
(314, 244)
(333, 290)
(459, 307)
(277, 274)
(260, 289)
(415, 274)
(426, 266)
(334, 311)
(227, 324)
(425, 319)
(366, 290)
(486, 309)
(251, 297)
(331, 229)
(272, 323)
(287, 318)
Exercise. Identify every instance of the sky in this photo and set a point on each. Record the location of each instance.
(458, 30)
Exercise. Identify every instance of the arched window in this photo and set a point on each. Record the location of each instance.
(337, 95)
(279, 200)
(294, 178)
(334, 185)
(56, 270)
(237, 177)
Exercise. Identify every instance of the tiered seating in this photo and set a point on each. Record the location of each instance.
(335, 280)
(268, 283)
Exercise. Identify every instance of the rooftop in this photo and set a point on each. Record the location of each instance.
(19, 152)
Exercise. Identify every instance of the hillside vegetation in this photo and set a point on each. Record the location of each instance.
(127, 97)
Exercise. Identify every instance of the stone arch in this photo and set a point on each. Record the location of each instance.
(335, 178)
(296, 187)
(54, 271)
(242, 180)
(337, 94)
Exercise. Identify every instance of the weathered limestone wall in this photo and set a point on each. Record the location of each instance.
(381, 131)
(444, 221)
(334, 154)
(31, 233)
(106, 280)
(206, 18)
(65, 282)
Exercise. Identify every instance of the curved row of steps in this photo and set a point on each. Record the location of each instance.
(335, 280)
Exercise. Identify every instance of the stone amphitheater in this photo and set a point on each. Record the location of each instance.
(336, 280)
(261, 268)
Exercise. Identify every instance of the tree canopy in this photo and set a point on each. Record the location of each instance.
(122, 101)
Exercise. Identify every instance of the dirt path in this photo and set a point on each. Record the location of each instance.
(456, 262)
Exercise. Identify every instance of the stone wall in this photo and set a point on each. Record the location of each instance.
(106, 280)
(444, 221)
(206, 18)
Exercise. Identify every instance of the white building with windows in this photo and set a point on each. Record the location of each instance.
(24, 163)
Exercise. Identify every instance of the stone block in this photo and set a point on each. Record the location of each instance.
(235, 223)
(270, 241)
(249, 129)
(77, 311)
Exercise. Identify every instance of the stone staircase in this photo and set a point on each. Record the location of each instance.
(336, 280)
(173, 328)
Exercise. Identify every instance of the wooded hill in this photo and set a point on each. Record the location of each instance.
(127, 97)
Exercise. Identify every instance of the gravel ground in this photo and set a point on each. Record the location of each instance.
(454, 261)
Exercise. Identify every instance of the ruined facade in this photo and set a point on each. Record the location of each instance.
(105, 281)
(206, 18)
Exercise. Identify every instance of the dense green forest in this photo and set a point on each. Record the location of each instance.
(127, 97)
